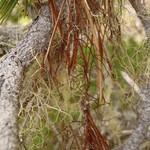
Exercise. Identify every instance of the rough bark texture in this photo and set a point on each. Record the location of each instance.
(143, 15)
(140, 133)
(11, 34)
(11, 76)
(14, 64)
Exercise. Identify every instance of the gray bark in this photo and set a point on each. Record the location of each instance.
(9, 38)
(143, 15)
(12, 67)
(11, 34)
(140, 133)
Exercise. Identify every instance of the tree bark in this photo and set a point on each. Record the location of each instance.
(12, 67)
(140, 133)
(143, 15)
(11, 34)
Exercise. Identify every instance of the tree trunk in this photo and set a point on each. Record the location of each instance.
(12, 67)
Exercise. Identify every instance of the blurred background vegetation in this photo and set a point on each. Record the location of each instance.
(51, 116)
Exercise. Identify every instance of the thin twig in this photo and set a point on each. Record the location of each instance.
(131, 82)
(134, 86)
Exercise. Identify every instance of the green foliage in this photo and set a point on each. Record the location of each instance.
(6, 7)
(52, 108)
(131, 59)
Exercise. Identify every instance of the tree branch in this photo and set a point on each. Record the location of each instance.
(12, 68)
(140, 133)
(143, 15)
(9, 38)
(12, 34)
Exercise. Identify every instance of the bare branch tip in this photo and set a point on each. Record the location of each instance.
(131, 82)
